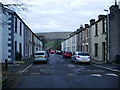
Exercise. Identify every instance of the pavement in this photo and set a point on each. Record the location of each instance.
(15, 70)
(109, 66)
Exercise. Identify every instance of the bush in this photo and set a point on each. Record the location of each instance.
(18, 56)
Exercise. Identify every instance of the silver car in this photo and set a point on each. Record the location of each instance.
(41, 56)
(80, 57)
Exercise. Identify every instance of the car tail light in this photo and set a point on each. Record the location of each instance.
(45, 56)
(88, 57)
(78, 56)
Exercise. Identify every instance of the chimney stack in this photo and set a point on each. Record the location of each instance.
(81, 27)
(86, 25)
(101, 16)
(114, 8)
(92, 21)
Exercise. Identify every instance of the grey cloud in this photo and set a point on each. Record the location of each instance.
(65, 15)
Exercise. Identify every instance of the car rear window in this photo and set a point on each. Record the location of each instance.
(69, 52)
(83, 54)
(39, 53)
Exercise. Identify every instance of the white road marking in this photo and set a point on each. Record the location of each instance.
(107, 68)
(112, 74)
(41, 70)
(69, 74)
(70, 65)
(25, 69)
(97, 75)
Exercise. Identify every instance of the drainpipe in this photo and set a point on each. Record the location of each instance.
(108, 38)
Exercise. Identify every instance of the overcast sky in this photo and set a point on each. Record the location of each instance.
(61, 15)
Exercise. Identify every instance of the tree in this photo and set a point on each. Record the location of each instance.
(18, 56)
(43, 39)
(16, 6)
(57, 45)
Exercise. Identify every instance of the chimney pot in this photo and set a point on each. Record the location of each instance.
(92, 21)
(81, 27)
(86, 25)
(101, 16)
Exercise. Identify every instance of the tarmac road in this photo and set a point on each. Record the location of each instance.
(60, 72)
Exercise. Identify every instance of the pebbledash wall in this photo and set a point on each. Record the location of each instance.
(16, 36)
(101, 41)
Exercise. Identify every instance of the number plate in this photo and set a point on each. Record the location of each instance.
(68, 55)
(39, 56)
(83, 60)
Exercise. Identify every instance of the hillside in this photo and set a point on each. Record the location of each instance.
(54, 35)
(53, 39)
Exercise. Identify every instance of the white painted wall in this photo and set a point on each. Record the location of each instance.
(19, 38)
(0, 33)
(5, 35)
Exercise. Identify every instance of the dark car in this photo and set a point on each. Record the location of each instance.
(67, 54)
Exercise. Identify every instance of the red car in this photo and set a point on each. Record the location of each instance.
(52, 51)
(67, 54)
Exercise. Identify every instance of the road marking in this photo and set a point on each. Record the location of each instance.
(97, 75)
(70, 65)
(41, 70)
(112, 74)
(25, 69)
(107, 68)
(69, 74)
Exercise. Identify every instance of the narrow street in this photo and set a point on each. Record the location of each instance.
(60, 72)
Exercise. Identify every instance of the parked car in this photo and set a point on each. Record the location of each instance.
(81, 57)
(52, 51)
(41, 56)
(58, 52)
(67, 54)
